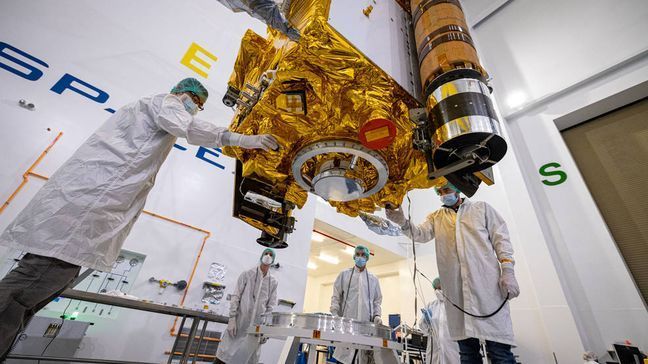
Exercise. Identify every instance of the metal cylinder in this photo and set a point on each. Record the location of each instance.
(442, 39)
(462, 121)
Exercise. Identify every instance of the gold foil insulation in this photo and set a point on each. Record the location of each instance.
(442, 39)
(322, 89)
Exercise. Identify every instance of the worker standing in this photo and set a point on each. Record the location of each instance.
(83, 214)
(356, 295)
(441, 349)
(255, 295)
(475, 261)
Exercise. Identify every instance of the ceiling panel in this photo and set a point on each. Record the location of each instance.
(335, 247)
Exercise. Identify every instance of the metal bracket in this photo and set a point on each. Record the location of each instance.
(418, 116)
(451, 168)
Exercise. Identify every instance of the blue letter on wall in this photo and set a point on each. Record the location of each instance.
(66, 83)
(33, 74)
(201, 155)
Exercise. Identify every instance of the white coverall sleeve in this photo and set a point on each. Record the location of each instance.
(377, 300)
(236, 295)
(336, 299)
(425, 322)
(498, 234)
(272, 297)
(175, 120)
(422, 233)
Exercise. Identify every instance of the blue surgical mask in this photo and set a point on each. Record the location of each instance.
(189, 105)
(360, 261)
(449, 199)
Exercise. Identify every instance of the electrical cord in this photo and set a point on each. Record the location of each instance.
(420, 294)
(474, 315)
(462, 310)
(409, 222)
(57, 332)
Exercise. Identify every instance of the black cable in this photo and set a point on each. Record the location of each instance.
(409, 222)
(478, 316)
(424, 276)
(57, 332)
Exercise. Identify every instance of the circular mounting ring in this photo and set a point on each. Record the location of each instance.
(341, 146)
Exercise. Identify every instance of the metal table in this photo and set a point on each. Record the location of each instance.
(318, 329)
(195, 316)
(384, 348)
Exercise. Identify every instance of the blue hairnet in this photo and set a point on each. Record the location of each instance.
(271, 251)
(436, 283)
(449, 185)
(191, 85)
(364, 249)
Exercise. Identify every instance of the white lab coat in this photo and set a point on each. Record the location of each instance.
(356, 295)
(469, 245)
(254, 296)
(83, 214)
(441, 349)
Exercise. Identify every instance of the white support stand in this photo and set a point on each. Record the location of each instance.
(385, 351)
(285, 352)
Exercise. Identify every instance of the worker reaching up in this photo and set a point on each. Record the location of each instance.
(83, 214)
(475, 259)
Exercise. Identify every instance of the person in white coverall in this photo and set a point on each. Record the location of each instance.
(356, 295)
(83, 214)
(475, 261)
(441, 349)
(255, 295)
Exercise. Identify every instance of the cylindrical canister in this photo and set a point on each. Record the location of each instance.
(463, 122)
(461, 118)
(442, 39)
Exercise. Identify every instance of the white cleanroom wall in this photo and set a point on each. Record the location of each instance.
(127, 56)
(549, 59)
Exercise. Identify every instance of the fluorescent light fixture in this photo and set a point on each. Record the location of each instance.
(515, 99)
(311, 265)
(349, 250)
(317, 237)
(329, 258)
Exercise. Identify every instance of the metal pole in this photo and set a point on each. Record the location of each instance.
(312, 353)
(200, 340)
(192, 332)
(81, 277)
(177, 339)
(355, 355)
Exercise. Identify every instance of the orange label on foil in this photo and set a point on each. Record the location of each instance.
(372, 135)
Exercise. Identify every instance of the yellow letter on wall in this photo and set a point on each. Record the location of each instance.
(192, 55)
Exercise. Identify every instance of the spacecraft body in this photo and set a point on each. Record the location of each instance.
(351, 131)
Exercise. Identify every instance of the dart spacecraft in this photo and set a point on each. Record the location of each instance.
(361, 119)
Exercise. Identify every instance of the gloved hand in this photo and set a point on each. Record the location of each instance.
(264, 340)
(261, 141)
(269, 11)
(293, 34)
(507, 281)
(377, 320)
(231, 326)
(396, 216)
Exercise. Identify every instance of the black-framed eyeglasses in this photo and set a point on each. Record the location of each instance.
(196, 100)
